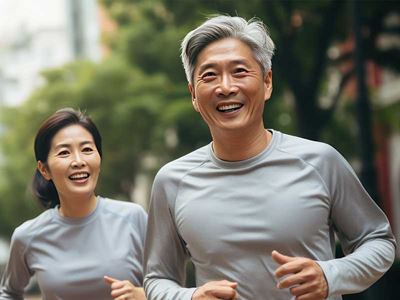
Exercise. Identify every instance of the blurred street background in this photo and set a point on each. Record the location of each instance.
(336, 76)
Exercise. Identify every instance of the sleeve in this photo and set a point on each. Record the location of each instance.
(361, 227)
(138, 221)
(165, 252)
(142, 224)
(17, 273)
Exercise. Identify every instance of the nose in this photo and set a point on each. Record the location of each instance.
(78, 162)
(226, 86)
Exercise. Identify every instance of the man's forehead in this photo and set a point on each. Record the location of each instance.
(224, 53)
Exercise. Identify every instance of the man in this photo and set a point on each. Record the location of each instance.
(256, 210)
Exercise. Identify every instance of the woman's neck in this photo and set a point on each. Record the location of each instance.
(77, 207)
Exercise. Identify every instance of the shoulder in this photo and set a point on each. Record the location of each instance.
(25, 232)
(175, 170)
(123, 208)
(117, 212)
(313, 152)
(323, 158)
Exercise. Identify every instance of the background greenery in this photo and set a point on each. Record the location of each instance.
(138, 95)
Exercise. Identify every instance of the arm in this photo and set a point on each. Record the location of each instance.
(159, 287)
(362, 228)
(363, 231)
(165, 253)
(17, 273)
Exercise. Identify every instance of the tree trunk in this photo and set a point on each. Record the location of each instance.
(368, 175)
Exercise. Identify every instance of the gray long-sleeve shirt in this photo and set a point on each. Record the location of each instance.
(227, 217)
(70, 256)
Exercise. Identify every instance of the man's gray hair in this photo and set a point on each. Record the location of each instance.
(252, 32)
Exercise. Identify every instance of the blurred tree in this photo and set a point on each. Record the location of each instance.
(167, 22)
(307, 34)
(16, 168)
(123, 103)
(139, 97)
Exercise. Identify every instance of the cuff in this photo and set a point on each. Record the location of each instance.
(331, 274)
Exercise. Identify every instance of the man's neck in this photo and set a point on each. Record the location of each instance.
(237, 146)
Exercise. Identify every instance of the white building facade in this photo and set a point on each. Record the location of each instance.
(42, 34)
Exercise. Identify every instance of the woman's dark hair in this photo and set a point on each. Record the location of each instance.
(43, 189)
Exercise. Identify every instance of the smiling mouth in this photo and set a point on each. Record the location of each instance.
(79, 176)
(229, 107)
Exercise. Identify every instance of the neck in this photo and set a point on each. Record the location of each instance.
(237, 146)
(77, 207)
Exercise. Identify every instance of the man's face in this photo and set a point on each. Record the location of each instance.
(229, 89)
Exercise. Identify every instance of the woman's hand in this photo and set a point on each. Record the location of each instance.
(124, 289)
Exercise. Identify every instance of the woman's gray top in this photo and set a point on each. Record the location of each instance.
(70, 256)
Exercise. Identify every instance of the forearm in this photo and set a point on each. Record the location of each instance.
(165, 289)
(14, 281)
(360, 269)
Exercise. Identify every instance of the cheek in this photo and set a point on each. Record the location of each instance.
(96, 164)
(255, 91)
(204, 90)
(55, 168)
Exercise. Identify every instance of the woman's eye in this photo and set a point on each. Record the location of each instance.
(87, 149)
(63, 152)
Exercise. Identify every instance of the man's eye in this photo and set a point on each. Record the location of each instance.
(240, 70)
(208, 75)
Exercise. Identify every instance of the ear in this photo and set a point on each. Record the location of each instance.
(268, 85)
(194, 99)
(43, 170)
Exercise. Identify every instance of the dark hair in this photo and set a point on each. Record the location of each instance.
(43, 189)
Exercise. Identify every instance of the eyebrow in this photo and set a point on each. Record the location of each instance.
(214, 64)
(68, 145)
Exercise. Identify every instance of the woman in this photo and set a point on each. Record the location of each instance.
(82, 244)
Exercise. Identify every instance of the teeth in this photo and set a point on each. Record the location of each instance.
(229, 107)
(79, 176)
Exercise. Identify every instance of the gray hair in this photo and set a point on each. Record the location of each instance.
(252, 32)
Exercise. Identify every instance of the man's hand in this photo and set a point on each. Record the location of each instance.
(124, 289)
(305, 278)
(212, 290)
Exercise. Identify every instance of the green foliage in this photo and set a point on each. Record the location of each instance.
(17, 165)
(389, 117)
(123, 102)
(138, 97)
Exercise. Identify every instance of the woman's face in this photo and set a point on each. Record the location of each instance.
(73, 163)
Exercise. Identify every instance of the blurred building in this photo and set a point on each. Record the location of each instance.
(41, 34)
